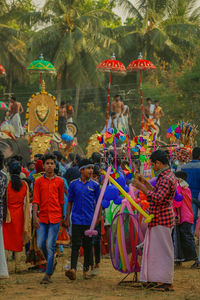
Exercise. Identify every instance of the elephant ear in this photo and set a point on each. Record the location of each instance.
(19, 147)
(6, 149)
(23, 149)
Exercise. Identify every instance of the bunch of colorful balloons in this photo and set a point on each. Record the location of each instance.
(112, 193)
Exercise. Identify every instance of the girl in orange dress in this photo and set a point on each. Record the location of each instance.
(17, 224)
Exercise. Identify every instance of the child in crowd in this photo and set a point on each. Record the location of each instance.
(185, 244)
(83, 195)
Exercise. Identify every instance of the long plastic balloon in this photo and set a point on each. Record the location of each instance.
(123, 244)
(90, 232)
(148, 218)
(120, 245)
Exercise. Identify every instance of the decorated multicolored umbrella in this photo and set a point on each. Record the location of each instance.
(41, 66)
(3, 105)
(2, 71)
(111, 66)
(140, 64)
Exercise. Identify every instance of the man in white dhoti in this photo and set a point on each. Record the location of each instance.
(157, 267)
(15, 109)
(117, 107)
(125, 118)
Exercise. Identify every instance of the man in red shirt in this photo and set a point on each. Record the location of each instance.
(157, 266)
(48, 198)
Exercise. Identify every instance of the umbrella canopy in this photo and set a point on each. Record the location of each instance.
(112, 65)
(3, 105)
(42, 66)
(2, 71)
(140, 64)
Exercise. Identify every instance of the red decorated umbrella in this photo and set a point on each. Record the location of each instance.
(112, 66)
(2, 71)
(140, 65)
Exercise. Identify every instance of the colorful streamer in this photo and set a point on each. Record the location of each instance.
(148, 218)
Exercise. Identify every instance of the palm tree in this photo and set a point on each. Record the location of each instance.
(75, 41)
(165, 29)
(13, 48)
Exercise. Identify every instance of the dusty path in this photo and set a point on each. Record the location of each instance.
(104, 286)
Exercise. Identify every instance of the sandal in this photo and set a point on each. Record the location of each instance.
(196, 265)
(163, 288)
(71, 274)
(148, 285)
(45, 280)
(86, 275)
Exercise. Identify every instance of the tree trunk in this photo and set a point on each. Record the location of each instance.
(77, 97)
(10, 82)
(59, 88)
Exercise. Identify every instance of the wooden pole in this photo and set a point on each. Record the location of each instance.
(108, 102)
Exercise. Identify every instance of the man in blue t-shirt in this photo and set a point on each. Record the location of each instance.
(83, 194)
(192, 169)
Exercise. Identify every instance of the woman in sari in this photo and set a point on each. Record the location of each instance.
(17, 227)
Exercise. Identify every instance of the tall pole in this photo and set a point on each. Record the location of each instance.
(108, 102)
(141, 97)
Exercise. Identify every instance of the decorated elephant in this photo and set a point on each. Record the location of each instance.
(11, 147)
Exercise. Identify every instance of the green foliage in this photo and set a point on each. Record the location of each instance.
(75, 35)
(89, 125)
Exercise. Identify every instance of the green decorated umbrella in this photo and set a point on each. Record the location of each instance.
(41, 66)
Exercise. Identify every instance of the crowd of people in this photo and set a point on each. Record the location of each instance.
(120, 116)
(62, 193)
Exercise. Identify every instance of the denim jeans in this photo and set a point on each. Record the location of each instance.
(46, 241)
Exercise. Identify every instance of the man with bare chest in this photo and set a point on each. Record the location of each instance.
(62, 113)
(15, 109)
(117, 107)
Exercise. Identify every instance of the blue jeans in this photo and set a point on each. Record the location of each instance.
(46, 241)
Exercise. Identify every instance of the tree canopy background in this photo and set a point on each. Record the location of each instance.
(75, 35)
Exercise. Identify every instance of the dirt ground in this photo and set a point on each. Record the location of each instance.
(104, 286)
